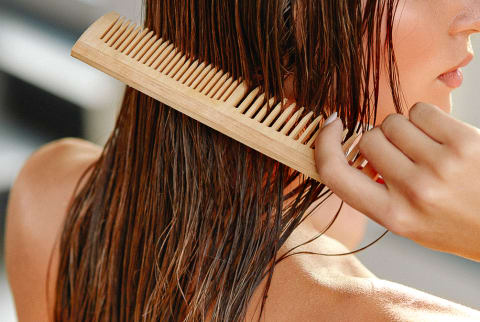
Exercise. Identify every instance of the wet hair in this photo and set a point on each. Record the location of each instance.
(176, 220)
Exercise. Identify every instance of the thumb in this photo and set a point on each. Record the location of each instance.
(328, 146)
(351, 185)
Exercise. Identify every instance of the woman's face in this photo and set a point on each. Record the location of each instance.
(431, 38)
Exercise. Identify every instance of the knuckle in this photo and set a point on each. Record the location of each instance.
(445, 166)
(401, 223)
(422, 192)
(466, 149)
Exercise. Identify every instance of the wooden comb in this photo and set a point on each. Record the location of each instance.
(139, 58)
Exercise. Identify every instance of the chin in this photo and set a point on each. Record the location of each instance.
(445, 103)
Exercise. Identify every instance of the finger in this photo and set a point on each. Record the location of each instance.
(350, 184)
(438, 124)
(409, 139)
(387, 160)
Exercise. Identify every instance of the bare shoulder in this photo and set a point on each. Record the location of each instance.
(36, 209)
(309, 287)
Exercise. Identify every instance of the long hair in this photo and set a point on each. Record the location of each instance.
(176, 220)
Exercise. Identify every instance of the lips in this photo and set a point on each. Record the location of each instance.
(453, 78)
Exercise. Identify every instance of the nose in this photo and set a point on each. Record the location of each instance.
(468, 22)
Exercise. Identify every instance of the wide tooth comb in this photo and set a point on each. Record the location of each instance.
(152, 65)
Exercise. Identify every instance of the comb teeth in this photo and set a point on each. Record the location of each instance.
(139, 48)
(150, 50)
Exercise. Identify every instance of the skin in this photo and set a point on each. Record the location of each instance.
(430, 38)
(428, 159)
(304, 288)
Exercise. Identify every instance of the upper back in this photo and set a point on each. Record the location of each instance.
(304, 287)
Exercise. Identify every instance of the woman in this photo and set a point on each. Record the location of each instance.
(174, 221)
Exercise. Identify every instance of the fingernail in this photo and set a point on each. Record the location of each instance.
(330, 119)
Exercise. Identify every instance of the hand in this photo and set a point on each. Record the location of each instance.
(430, 164)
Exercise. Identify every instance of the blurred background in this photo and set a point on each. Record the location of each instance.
(45, 94)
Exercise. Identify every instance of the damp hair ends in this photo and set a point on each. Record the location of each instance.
(176, 221)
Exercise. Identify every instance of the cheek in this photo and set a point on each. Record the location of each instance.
(417, 45)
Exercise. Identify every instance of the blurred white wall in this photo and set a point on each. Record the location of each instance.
(466, 100)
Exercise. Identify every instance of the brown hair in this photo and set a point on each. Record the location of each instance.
(177, 219)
